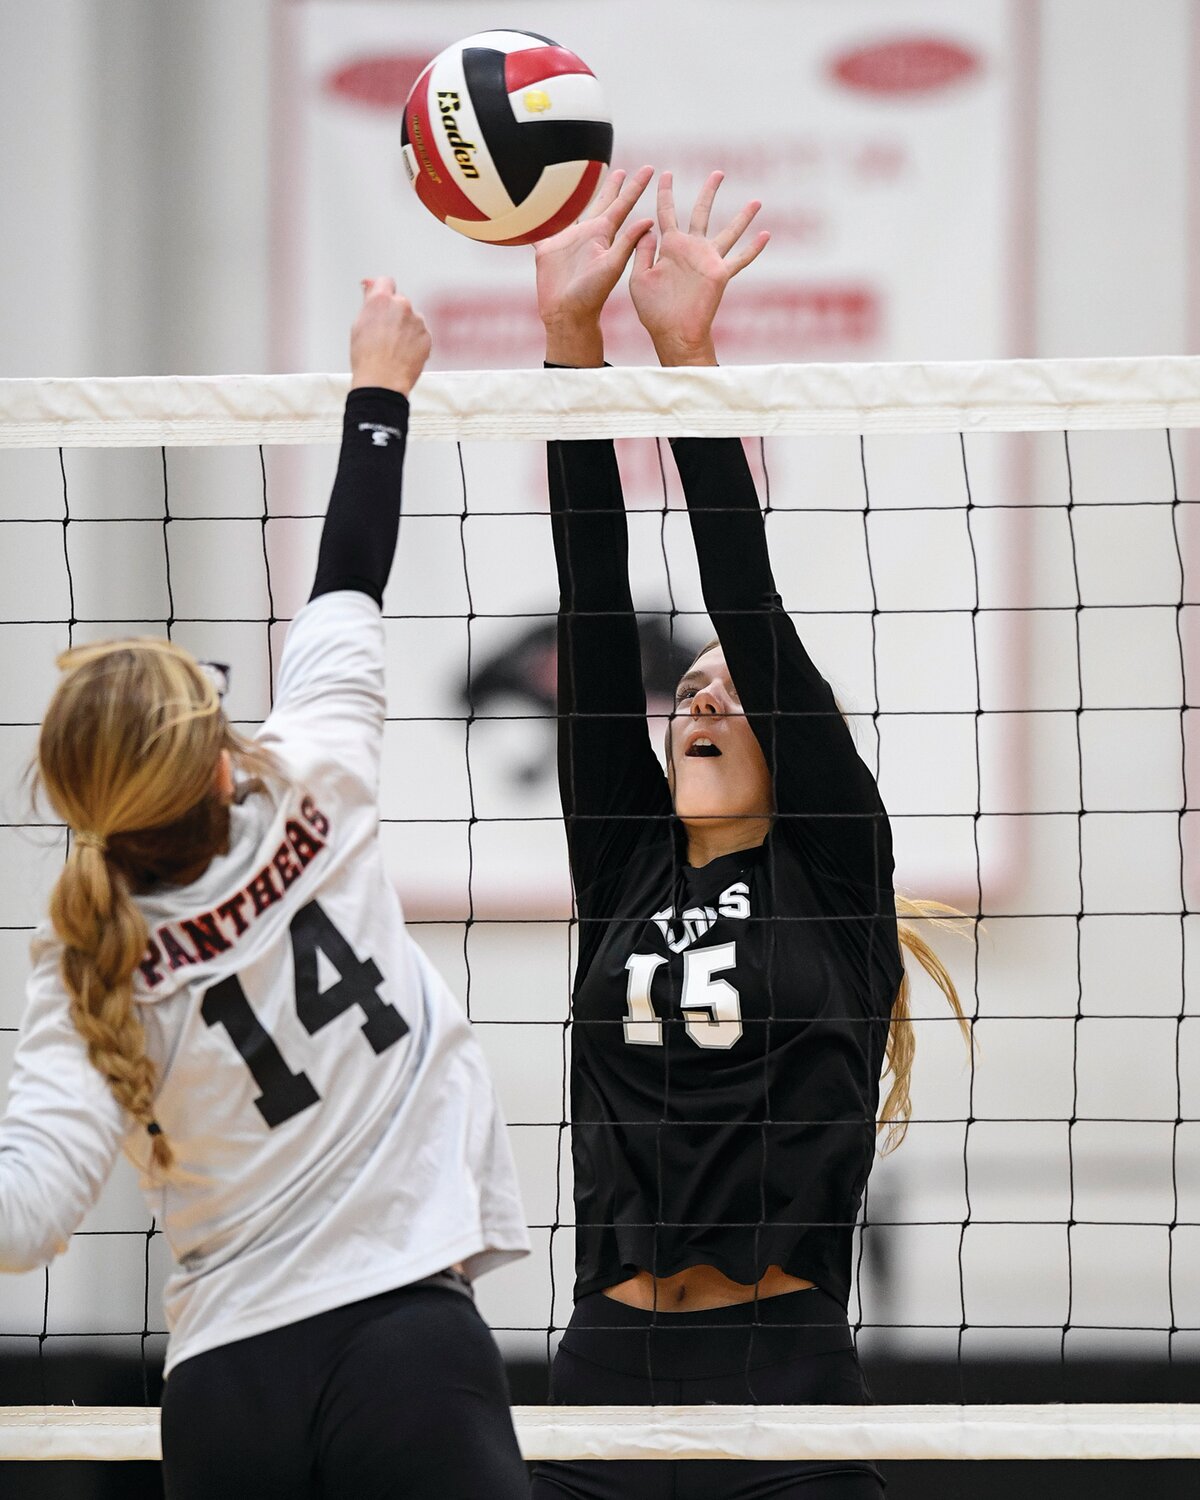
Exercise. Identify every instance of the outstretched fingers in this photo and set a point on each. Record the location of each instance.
(666, 203)
(643, 252)
(607, 195)
(748, 252)
(737, 226)
(620, 206)
(704, 202)
(630, 238)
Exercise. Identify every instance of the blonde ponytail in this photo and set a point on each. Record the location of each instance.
(104, 936)
(901, 1041)
(128, 756)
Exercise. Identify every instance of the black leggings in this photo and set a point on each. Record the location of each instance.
(781, 1351)
(403, 1395)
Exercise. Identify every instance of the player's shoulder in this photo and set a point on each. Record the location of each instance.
(45, 961)
(654, 853)
(327, 613)
(46, 1020)
(343, 623)
(330, 701)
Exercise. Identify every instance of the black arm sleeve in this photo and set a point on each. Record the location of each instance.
(358, 540)
(609, 777)
(826, 800)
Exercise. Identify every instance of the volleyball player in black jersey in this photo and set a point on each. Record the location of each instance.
(739, 956)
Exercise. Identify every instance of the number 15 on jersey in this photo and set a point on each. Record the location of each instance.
(711, 1005)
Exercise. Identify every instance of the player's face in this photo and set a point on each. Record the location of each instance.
(714, 762)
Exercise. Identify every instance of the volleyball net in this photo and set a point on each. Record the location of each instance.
(996, 567)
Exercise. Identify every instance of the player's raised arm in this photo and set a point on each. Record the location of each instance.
(609, 776)
(330, 694)
(389, 345)
(678, 1205)
(814, 766)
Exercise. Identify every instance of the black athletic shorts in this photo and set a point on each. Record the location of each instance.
(403, 1395)
(780, 1351)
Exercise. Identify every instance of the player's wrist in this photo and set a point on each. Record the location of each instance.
(386, 378)
(574, 343)
(674, 354)
(371, 407)
(367, 394)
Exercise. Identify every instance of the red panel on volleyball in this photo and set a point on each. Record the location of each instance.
(445, 199)
(533, 64)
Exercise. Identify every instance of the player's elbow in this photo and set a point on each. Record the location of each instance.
(25, 1249)
(31, 1232)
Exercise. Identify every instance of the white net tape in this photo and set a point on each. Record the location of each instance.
(754, 401)
(111, 1433)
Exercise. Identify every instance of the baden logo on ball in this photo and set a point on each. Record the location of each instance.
(506, 136)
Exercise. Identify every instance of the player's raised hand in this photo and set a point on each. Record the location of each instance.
(578, 268)
(389, 342)
(677, 292)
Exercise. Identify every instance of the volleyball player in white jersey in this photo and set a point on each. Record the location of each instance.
(227, 991)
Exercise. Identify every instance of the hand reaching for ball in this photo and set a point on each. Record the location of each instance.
(578, 268)
(677, 293)
(389, 342)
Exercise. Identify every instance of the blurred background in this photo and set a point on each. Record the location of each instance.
(197, 187)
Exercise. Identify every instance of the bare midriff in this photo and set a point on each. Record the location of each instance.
(699, 1288)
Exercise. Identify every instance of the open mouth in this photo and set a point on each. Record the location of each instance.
(700, 747)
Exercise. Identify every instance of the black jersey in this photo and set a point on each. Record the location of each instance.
(729, 1021)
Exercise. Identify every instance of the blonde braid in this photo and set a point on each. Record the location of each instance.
(104, 936)
(128, 755)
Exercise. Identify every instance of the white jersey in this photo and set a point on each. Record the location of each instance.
(335, 1128)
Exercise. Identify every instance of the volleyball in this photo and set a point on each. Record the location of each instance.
(505, 137)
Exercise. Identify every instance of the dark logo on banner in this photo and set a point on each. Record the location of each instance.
(525, 674)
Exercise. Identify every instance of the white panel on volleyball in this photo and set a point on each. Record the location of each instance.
(484, 189)
(573, 96)
(556, 184)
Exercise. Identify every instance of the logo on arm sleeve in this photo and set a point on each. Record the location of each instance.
(380, 434)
